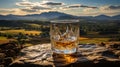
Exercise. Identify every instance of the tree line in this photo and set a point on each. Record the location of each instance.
(86, 26)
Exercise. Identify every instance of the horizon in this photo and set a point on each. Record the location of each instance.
(76, 7)
(62, 12)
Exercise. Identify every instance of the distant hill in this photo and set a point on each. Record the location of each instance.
(56, 15)
(116, 17)
(42, 16)
(102, 17)
(48, 15)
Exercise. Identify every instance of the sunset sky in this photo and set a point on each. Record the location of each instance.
(73, 7)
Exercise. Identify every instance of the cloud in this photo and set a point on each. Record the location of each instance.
(53, 3)
(88, 6)
(34, 6)
(25, 3)
(28, 10)
(93, 11)
(88, 9)
(40, 8)
(110, 10)
(35, 9)
(15, 11)
(28, 7)
(114, 7)
(6, 11)
(79, 5)
(74, 6)
(110, 7)
(25, 0)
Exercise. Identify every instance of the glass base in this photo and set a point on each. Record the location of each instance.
(74, 50)
(64, 59)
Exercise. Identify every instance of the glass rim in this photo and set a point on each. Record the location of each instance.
(64, 21)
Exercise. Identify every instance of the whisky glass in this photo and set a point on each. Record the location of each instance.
(64, 35)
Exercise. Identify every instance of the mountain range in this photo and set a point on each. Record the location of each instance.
(56, 15)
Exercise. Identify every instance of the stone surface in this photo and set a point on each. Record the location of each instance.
(87, 56)
(2, 55)
(8, 60)
(8, 52)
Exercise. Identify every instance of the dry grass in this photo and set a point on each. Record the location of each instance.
(3, 40)
(34, 25)
(21, 31)
(84, 40)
